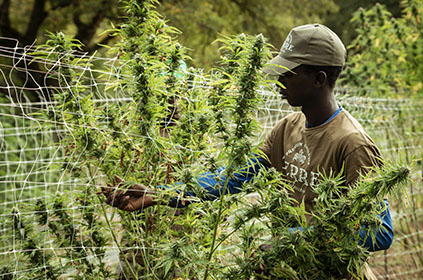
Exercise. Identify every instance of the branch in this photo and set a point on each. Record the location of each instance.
(245, 7)
(60, 4)
(38, 15)
(271, 30)
(86, 31)
(5, 28)
(98, 45)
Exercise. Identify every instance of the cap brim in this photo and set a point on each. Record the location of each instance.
(279, 65)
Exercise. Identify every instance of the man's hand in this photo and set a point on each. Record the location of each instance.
(136, 197)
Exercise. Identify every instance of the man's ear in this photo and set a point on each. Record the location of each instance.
(320, 78)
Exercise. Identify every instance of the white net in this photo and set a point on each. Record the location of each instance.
(34, 163)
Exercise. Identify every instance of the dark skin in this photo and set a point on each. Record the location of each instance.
(312, 92)
(134, 198)
(308, 90)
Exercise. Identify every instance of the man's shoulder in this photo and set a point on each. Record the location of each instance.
(351, 131)
(292, 119)
(346, 124)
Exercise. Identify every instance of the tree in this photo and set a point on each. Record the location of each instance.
(83, 20)
(126, 139)
(339, 22)
(201, 22)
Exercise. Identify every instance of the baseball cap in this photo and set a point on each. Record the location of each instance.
(310, 44)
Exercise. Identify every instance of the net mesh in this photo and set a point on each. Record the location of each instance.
(33, 163)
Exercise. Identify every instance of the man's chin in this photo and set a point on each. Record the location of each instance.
(291, 103)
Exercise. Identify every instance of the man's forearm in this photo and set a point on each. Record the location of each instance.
(383, 236)
(213, 184)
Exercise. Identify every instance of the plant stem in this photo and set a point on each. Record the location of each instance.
(216, 225)
(115, 238)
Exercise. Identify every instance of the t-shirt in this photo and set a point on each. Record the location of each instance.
(299, 153)
(302, 154)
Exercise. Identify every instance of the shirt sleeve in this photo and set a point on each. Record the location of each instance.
(212, 184)
(360, 161)
(383, 235)
(266, 147)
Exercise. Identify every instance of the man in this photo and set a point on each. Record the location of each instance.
(323, 137)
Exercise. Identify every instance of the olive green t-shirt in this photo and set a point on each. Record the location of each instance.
(302, 154)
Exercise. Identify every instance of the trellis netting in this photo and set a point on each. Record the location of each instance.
(35, 166)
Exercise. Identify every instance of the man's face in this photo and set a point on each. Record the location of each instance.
(298, 86)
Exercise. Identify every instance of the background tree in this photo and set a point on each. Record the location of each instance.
(201, 22)
(28, 21)
(339, 22)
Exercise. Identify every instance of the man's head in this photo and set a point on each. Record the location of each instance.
(308, 65)
(308, 85)
(310, 44)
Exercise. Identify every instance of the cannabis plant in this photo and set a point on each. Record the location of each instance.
(173, 126)
(327, 246)
(393, 46)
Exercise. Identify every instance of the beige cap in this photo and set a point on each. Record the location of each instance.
(310, 44)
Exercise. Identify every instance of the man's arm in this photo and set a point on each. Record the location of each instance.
(134, 198)
(138, 197)
(383, 236)
(213, 184)
(360, 162)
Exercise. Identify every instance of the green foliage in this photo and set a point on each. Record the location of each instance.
(137, 140)
(27, 21)
(201, 22)
(159, 137)
(20, 146)
(386, 56)
(24, 23)
(339, 21)
(78, 239)
(326, 245)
